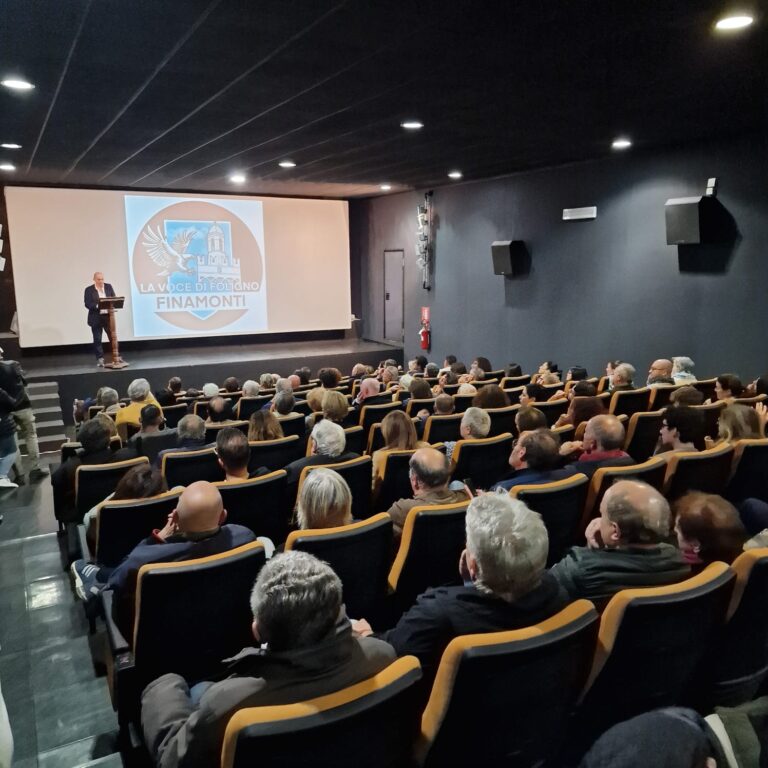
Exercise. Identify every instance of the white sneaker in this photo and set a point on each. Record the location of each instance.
(6, 483)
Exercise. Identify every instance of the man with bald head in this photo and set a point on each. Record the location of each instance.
(196, 528)
(98, 320)
(660, 373)
(602, 446)
(430, 472)
(625, 546)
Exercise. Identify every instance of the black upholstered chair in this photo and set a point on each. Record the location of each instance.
(275, 454)
(357, 473)
(186, 467)
(643, 434)
(484, 461)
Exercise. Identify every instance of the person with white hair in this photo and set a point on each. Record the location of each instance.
(251, 388)
(475, 425)
(210, 390)
(622, 377)
(141, 395)
(325, 501)
(327, 446)
(682, 370)
(304, 648)
(110, 399)
(506, 585)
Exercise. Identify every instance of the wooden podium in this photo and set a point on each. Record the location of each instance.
(111, 303)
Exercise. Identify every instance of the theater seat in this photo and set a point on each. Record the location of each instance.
(188, 616)
(510, 382)
(502, 420)
(553, 410)
(711, 414)
(484, 461)
(415, 404)
(186, 467)
(629, 401)
(750, 477)
(706, 471)
(661, 395)
(372, 723)
(173, 414)
(355, 437)
(442, 429)
(431, 544)
(94, 482)
(462, 402)
(357, 473)
(503, 698)
(650, 645)
(360, 554)
(274, 454)
(212, 430)
(643, 434)
(259, 504)
(395, 482)
(706, 387)
(247, 406)
(293, 424)
(561, 506)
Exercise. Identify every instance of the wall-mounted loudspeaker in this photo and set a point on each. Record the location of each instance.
(510, 258)
(695, 220)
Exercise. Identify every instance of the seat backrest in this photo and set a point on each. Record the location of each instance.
(432, 541)
(602, 384)
(561, 506)
(355, 439)
(293, 424)
(260, 504)
(94, 482)
(706, 471)
(706, 387)
(509, 382)
(150, 445)
(462, 402)
(359, 554)
(373, 414)
(247, 406)
(121, 525)
(357, 473)
(173, 414)
(395, 481)
(643, 434)
(650, 645)
(441, 429)
(376, 718)
(652, 472)
(568, 432)
(660, 395)
(553, 410)
(750, 400)
(507, 695)
(200, 408)
(93, 410)
(186, 467)
(711, 414)
(738, 663)
(212, 430)
(513, 393)
(274, 454)
(552, 389)
(198, 609)
(416, 404)
(302, 406)
(629, 401)
(485, 461)
(503, 420)
(750, 480)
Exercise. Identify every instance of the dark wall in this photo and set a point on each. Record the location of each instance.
(7, 296)
(608, 288)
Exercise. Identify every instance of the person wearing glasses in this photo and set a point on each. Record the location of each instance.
(681, 427)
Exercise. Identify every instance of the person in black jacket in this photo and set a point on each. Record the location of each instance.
(505, 585)
(12, 393)
(98, 321)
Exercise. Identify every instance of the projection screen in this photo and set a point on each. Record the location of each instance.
(188, 265)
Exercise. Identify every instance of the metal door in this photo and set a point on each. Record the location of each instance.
(394, 263)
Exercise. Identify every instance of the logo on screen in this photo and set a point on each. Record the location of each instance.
(199, 263)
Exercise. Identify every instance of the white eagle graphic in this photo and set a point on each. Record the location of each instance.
(164, 255)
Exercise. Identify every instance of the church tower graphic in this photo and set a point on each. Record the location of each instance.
(217, 262)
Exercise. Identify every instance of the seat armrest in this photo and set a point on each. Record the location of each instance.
(82, 541)
(117, 643)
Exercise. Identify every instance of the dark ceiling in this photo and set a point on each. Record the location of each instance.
(178, 94)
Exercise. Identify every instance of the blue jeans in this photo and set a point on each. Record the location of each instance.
(7, 453)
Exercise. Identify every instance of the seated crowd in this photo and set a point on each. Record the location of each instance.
(304, 644)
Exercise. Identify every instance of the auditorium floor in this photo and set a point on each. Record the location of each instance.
(58, 703)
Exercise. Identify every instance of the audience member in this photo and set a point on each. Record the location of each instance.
(681, 429)
(532, 393)
(582, 389)
(399, 434)
(368, 388)
(304, 649)
(682, 370)
(529, 418)
(491, 396)
(336, 406)
(251, 388)
(514, 369)
(576, 373)
(141, 395)
(220, 411)
(233, 454)
(329, 377)
(294, 381)
(466, 389)
(444, 406)
(304, 375)
(284, 402)
(601, 446)
(210, 390)
(151, 438)
(194, 529)
(111, 400)
(12, 393)
(390, 376)
(728, 386)
(581, 409)
(610, 367)
(505, 585)
(448, 361)
(358, 371)
(549, 366)
(190, 436)
(623, 375)
(432, 370)
(325, 500)
(534, 460)
(625, 546)
(483, 363)
(267, 380)
(660, 373)
(686, 396)
(708, 528)
(458, 368)
(231, 385)
(419, 390)
(327, 446)
(168, 395)
(429, 473)
(737, 422)
(264, 425)
(315, 399)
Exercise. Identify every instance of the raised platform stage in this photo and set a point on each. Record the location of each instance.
(77, 377)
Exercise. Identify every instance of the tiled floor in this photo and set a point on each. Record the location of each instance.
(58, 703)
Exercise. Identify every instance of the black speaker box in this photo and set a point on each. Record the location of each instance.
(510, 258)
(696, 220)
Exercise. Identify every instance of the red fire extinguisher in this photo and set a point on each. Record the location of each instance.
(425, 334)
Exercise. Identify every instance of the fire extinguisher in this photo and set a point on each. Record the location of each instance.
(425, 336)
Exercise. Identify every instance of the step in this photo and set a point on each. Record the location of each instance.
(42, 387)
(49, 427)
(47, 409)
(42, 397)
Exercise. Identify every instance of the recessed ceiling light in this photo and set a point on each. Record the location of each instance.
(237, 178)
(16, 84)
(10, 146)
(728, 23)
(411, 125)
(287, 164)
(621, 143)
(7, 167)
(385, 187)
(455, 175)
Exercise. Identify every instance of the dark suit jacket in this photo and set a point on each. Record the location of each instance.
(91, 301)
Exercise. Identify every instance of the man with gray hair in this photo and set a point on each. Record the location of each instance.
(602, 446)
(141, 395)
(304, 648)
(622, 377)
(506, 585)
(251, 388)
(429, 474)
(190, 436)
(110, 400)
(475, 425)
(682, 370)
(625, 546)
(283, 402)
(327, 446)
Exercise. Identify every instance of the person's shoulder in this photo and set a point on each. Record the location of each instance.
(238, 533)
(376, 648)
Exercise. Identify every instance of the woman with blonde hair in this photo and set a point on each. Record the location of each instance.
(399, 434)
(325, 500)
(264, 425)
(737, 422)
(335, 406)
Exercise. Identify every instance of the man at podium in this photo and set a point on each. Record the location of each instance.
(98, 320)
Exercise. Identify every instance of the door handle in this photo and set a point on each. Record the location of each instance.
(386, 296)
